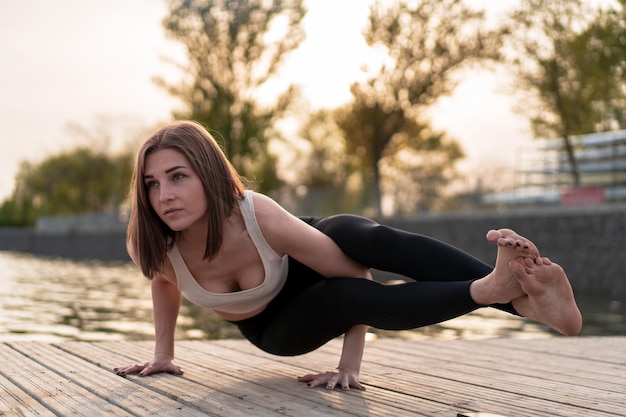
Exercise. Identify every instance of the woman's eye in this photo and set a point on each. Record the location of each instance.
(178, 176)
(151, 184)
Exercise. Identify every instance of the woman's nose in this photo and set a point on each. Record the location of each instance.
(165, 193)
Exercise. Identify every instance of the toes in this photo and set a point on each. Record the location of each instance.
(516, 244)
(493, 235)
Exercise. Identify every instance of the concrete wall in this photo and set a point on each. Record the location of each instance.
(105, 246)
(590, 243)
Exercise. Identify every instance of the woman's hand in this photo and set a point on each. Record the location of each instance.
(345, 378)
(347, 374)
(160, 363)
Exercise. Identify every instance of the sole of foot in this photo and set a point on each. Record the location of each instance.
(549, 296)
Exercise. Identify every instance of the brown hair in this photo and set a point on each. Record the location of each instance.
(148, 237)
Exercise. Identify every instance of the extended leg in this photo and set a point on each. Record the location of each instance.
(423, 258)
(332, 306)
(409, 254)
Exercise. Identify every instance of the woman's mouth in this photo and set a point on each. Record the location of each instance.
(171, 212)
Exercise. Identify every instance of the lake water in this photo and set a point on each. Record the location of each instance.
(54, 300)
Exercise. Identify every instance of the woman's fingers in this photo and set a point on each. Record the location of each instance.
(316, 380)
(331, 380)
(148, 368)
(130, 369)
(177, 370)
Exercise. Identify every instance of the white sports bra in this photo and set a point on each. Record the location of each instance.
(238, 302)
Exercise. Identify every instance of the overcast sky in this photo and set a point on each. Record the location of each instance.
(74, 61)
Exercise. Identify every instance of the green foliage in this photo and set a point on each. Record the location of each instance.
(16, 213)
(233, 48)
(425, 42)
(603, 47)
(73, 182)
(326, 163)
(415, 164)
(572, 60)
(326, 177)
(419, 167)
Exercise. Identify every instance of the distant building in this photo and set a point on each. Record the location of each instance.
(544, 174)
(81, 223)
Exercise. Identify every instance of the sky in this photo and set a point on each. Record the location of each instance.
(73, 62)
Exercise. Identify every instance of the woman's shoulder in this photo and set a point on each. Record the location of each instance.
(276, 223)
(263, 203)
(266, 209)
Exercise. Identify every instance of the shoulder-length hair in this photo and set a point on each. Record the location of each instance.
(148, 237)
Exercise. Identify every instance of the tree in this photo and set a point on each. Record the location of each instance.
(233, 48)
(425, 43)
(604, 48)
(325, 172)
(18, 210)
(418, 162)
(571, 58)
(72, 182)
(325, 164)
(421, 165)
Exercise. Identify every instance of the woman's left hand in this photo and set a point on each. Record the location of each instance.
(343, 378)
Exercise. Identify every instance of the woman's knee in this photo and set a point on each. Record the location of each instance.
(346, 228)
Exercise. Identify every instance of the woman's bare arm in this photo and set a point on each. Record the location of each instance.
(166, 298)
(289, 235)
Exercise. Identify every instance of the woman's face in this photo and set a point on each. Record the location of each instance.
(175, 190)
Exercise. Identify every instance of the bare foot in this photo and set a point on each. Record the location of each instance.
(549, 297)
(507, 238)
(500, 287)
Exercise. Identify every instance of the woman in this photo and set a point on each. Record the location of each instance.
(292, 284)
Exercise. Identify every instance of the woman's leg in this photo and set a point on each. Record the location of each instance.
(304, 317)
(409, 254)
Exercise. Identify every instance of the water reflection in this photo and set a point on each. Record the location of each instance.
(55, 299)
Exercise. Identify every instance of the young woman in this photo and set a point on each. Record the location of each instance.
(292, 284)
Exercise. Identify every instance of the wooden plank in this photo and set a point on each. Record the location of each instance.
(184, 389)
(493, 354)
(88, 387)
(324, 398)
(212, 374)
(611, 350)
(582, 348)
(450, 382)
(395, 395)
(376, 402)
(447, 396)
(520, 392)
(530, 378)
(483, 353)
(14, 401)
(271, 382)
(57, 393)
(563, 391)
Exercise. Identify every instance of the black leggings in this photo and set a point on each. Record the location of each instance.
(310, 310)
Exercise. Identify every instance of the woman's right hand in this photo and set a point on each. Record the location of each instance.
(161, 362)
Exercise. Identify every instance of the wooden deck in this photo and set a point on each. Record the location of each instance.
(510, 377)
